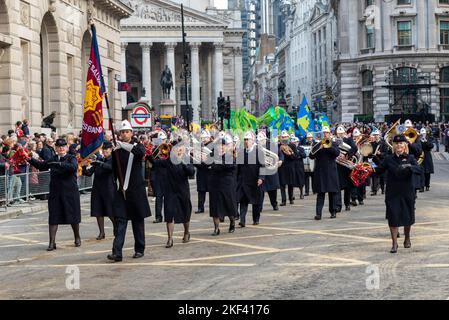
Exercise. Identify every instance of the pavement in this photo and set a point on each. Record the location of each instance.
(288, 256)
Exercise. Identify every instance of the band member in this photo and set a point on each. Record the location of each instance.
(415, 149)
(400, 191)
(299, 165)
(343, 171)
(427, 146)
(271, 183)
(103, 188)
(64, 198)
(158, 176)
(177, 204)
(287, 174)
(308, 174)
(130, 200)
(325, 179)
(376, 143)
(201, 174)
(357, 193)
(249, 180)
(222, 185)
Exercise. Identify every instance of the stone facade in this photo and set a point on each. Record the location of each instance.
(379, 41)
(151, 38)
(44, 48)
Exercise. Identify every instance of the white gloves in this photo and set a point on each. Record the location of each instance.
(124, 145)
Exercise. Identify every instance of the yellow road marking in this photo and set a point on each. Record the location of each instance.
(18, 239)
(332, 265)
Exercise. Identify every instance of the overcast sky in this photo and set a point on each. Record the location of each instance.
(221, 4)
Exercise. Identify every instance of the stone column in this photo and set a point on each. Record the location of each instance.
(146, 71)
(123, 46)
(170, 62)
(218, 71)
(238, 80)
(195, 84)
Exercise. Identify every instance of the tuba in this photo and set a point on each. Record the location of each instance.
(411, 135)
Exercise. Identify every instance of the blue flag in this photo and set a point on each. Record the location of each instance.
(305, 121)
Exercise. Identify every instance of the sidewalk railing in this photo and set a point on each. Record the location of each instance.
(23, 187)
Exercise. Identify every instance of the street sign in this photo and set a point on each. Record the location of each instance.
(140, 117)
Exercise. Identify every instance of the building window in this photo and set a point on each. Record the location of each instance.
(403, 2)
(110, 50)
(444, 101)
(369, 37)
(405, 75)
(404, 33)
(444, 75)
(444, 32)
(444, 1)
(369, 3)
(368, 106)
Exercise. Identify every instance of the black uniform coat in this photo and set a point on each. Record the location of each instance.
(415, 149)
(247, 175)
(325, 176)
(272, 180)
(135, 206)
(222, 189)
(157, 177)
(299, 166)
(201, 176)
(176, 189)
(287, 171)
(47, 153)
(428, 161)
(103, 188)
(64, 198)
(400, 191)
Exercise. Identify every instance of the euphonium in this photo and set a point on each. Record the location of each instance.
(271, 159)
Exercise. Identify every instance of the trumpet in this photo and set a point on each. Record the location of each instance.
(326, 143)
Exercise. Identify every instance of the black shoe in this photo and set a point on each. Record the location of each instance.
(186, 238)
(383, 191)
(199, 211)
(421, 190)
(232, 228)
(114, 258)
(157, 221)
(242, 225)
(51, 247)
(276, 208)
(407, 244)
(216, 232)
(283, 204)
(169, 243)
(374, 193)
(317, 217)
(301, 197)
(101, 236)
(292, 202)
(338, 209)
(394, 249)
(348, 208)
(138, 255)
(399, 235)
(255, 223)
(333, 215)
(237, 217)
(361, 203)
(354, 203)
(427, 188)
(293, 198)
(306, 194)
(77, 242)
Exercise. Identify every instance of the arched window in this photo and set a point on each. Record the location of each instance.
(444, 75)
(444, 92)
(405, 97)
(367, 78)
(367, 92)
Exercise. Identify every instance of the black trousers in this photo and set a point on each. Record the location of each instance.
(382, 182)
(375, 183)
(309, 178)
(333, 198)
(273, 194)
(427, 180)
(357, 193)
(201, 200)
(159, 205)
(283, 195)
(257, 208)
(121, 225)
(346, 198)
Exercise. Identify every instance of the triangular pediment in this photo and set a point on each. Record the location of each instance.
(319, 10)
(165, 12)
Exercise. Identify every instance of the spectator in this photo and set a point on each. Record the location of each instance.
(19, 131)
(25, 129)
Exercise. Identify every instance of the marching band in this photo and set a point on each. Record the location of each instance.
(235, 174)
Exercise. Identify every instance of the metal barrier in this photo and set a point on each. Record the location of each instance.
(23, 187)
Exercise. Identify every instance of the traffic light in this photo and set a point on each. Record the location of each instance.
(221, 105)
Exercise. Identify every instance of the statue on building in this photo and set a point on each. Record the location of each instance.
(166, 82)
(47, 122)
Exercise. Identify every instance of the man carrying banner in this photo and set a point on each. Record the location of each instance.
(130, 200)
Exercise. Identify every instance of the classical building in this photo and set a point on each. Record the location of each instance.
(152, 39)
(393, 57)
(44, 49)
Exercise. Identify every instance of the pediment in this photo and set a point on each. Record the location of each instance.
(318, 11)
(165, 12)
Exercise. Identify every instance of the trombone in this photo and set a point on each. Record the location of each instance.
(326, 143)
(162, 151)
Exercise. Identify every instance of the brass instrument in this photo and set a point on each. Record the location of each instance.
(421, 158)
(388, 137)
(326, 143)
(162, 152)
(271, 158)
(285, 148)
(342, 158)
(411, 135)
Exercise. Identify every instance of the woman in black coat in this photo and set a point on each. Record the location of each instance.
(103, 188)
(222, 185)
(400, 190)
(64, 198)
(176, 189)
(299, 166)
(287, 171)
(427, 146)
